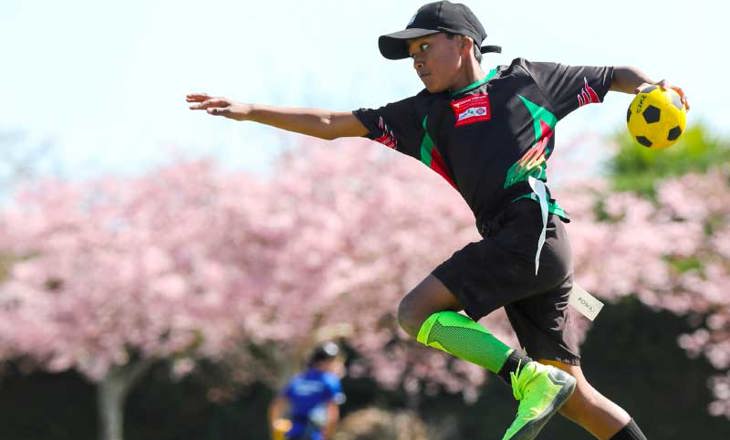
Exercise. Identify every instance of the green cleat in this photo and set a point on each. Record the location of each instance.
(541, 390)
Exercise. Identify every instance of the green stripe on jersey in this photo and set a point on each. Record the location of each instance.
(476, 83)
(426, 144)
(539, 113)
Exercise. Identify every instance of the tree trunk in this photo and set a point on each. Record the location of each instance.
(111, 394)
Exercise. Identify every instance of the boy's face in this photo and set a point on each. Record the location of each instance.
(437, 60)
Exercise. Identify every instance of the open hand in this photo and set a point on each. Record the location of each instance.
(219, 106)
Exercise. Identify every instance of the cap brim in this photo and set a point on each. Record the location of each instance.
(394, 46)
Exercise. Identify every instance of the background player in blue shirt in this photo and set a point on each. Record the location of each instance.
(489, 134)
(311, 398)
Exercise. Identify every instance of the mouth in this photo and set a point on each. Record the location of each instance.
(424, 75)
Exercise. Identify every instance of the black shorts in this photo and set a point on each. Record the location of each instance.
(499, 271)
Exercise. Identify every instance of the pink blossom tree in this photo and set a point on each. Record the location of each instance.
(114, 274)
(368, 225)
(190, 262)
(672, 253)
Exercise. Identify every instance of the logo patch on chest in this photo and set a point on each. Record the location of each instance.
(471, 109)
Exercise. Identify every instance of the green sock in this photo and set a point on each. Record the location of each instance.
(460, 336)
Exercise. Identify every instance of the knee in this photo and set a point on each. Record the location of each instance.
(429, 297)
(409, 316)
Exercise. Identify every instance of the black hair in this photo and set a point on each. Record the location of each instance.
(323, 352)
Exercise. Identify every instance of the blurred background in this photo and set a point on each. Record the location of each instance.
(164, 273)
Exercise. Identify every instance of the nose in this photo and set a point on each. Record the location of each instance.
(417, 64)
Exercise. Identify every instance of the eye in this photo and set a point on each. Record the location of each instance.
(423, 47)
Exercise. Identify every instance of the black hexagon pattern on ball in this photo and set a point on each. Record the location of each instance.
(651, 114)
(643, 141)
(674, 133)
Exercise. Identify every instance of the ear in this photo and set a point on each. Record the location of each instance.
(466, 43)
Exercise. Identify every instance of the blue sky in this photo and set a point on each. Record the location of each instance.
(104, 81)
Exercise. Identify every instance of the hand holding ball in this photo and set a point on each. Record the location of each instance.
(656, 117)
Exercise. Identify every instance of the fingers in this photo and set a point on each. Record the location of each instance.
(666, 85)
(200, 98)
(196, 97)
(682, 96)
(204, 101)
(214, 106)
(211, 103)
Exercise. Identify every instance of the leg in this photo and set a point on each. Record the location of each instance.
(428, 297)
(480, 278)
(428, 313)
(589, 408)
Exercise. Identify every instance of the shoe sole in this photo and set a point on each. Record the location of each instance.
(533, 428)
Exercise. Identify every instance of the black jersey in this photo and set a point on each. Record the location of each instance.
(489, 138)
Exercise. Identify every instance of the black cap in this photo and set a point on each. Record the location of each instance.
(433, 18)
(328, 350)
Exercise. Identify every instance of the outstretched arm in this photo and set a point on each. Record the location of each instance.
(323, 124)
(632, 80)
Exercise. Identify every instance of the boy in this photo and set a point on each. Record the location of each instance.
(312, 397)
(489, 135)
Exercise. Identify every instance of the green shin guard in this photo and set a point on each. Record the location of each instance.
(460, 336)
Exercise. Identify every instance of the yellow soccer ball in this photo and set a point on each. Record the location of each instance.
(656, 117)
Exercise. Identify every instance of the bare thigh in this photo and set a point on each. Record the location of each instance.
(428, 297)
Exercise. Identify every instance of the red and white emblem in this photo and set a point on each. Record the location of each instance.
(387, 137)
(587, 94)
(471, 109)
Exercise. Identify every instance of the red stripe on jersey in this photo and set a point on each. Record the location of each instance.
(438, 165)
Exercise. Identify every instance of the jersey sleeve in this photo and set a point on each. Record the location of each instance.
(568, 87)
(334, 390)
(394, 125)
